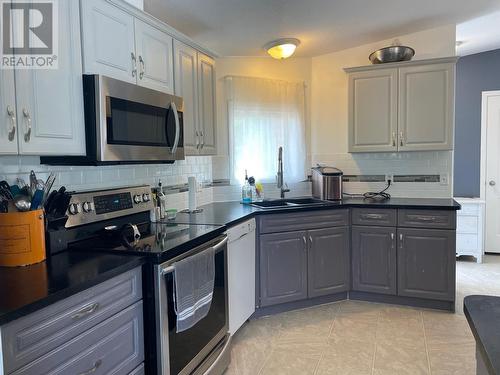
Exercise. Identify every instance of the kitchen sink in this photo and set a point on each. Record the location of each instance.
(288, 203)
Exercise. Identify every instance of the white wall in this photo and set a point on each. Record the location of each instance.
(293, 70)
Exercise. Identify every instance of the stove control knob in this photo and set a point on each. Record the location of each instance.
(137, 198)
(146, 197)
(87, 207)
(74, 208)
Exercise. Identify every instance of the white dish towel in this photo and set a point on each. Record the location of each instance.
(194, 279)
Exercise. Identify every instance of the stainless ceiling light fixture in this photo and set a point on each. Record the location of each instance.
(282, 48)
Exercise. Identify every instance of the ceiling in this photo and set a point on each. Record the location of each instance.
(242, 27)
(478, 34)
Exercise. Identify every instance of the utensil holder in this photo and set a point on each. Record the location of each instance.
(22, 238)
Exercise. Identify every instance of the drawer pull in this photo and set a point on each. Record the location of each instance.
(424, 218)
(86, 311)
(97, 364)
(372, 216)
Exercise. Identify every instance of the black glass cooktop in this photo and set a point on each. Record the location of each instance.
(157, 240)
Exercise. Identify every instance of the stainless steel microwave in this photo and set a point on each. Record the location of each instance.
(126, 123)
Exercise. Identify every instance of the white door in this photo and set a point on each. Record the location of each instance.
(186, 86)
(154, 58)
(50, 102)
(491, 114)
(8, 120)
(108, 41)
(426, 107)
(206, 88)
(373, 110)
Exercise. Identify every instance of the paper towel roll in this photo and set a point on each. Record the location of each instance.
(192, 193)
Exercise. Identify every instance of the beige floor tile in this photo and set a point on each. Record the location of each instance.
(286, 363)
(356, 326)
(248, 357)
(444, 329)
(454, 360)
(397, 358)
(346, 357)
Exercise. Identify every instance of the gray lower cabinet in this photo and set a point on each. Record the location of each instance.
(328, 261)
(426, 263)
(283, 267)
(374, 266)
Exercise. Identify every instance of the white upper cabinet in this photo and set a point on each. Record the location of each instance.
(154, 58)
(186, 86)
(195, 83)
(108, 41)
(373, 110)
(8, 117)
(426, 107)
(402, 107)
(206, 82)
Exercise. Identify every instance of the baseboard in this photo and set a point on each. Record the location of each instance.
(405, 301)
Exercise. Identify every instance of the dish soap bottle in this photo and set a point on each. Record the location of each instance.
(246, 191)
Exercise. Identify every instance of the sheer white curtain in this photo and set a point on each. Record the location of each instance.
(263, 115)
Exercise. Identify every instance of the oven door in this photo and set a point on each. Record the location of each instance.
(137, 124)
(182, 353)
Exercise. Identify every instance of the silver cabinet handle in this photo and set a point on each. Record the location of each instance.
(27, 116)
(401, 240)
(401, 138)
(177, 127)
(197, 140)
(134, 64)
(202, 136)
(393, 139)
(372, 216)
(423, 218)
(143, 67)
(305, 243)
(310, 240)
(12, 128)
(87, 310)
(492, 183)
(97, 364)
(392, 236)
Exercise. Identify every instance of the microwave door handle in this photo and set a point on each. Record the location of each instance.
(177, 127)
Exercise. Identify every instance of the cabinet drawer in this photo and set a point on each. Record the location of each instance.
(467, 224)
(293, 221)
(115, 346)
(433, 219)
(374, 216)
(30, 337)
(467, 242)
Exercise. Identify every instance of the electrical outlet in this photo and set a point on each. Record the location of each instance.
(443, 179)
(389, 177)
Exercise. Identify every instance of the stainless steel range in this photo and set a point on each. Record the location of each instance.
(117, 221)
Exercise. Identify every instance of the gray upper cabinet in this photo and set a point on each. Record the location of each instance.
(373, 111)
(283, 267)
(328, 261)
(426, 263)
(426, 107)
(374, 259)
(406, 106)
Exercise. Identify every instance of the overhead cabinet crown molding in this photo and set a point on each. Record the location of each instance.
(402, 106)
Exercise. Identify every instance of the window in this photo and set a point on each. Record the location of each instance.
(263, 115)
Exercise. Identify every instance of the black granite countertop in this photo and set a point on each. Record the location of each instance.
(230, 213)
(24, 290)
(483, 315)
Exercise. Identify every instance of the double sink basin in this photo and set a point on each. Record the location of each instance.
(289, 203)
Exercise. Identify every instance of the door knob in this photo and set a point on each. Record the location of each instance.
(492, 183)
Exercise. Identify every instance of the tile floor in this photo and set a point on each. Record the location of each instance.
(359, 338)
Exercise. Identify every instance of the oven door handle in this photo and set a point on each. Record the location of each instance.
(177, 127)
(216, 247)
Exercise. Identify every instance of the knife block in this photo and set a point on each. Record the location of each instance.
(22, 238)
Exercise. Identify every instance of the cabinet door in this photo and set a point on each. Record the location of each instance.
(50, 102)
(328, 261)
(154, 58)
(373, 100)
(426, 263)
(8, 120)
(283, 267)
(206, 88)
(186, 86)
(374, 259)
(108, 41)
(426, 107)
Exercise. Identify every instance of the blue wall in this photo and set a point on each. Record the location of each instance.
(475, 73)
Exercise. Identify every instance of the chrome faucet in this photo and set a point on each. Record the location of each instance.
(279, 177)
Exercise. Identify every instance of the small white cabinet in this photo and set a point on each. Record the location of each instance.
(120, 46)
(470, 228)
(405, 106)
(48, 106)
(195, 83)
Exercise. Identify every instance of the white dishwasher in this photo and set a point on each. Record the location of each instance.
(241, 273)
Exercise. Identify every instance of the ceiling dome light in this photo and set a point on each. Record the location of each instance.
(282, 48)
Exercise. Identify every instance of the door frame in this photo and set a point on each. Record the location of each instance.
(484, 152)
